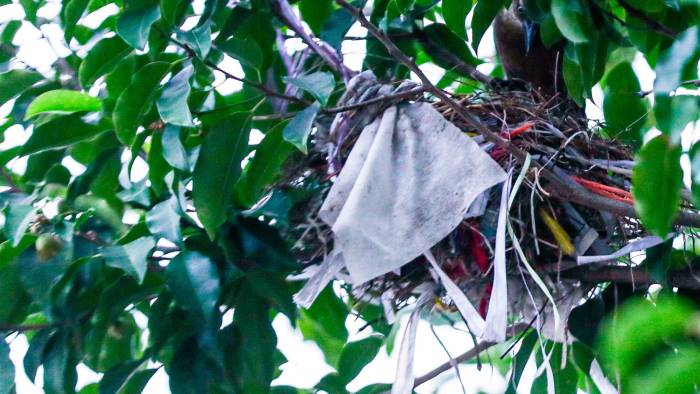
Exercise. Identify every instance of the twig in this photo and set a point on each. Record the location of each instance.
(376, 100)
(652, 23)
(260, 87)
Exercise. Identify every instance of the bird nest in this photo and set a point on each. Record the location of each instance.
(548, 235)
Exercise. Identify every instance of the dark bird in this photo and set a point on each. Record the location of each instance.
(522, 52)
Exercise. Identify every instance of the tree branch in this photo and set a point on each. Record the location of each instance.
(637, 276)
(326, 52)
(456, 63)
(468, 355)
(649, 21)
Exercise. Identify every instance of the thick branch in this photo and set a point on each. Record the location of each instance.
(637, 276)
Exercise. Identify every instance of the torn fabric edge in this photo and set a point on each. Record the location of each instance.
(497, 315)
(634, 246)
(318, 281)
(403, 383)
(474, 321)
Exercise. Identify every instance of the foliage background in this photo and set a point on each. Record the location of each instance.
(83, 251)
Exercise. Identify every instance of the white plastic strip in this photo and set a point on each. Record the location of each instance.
(600, 381)
(634, 246)
(318, 281)
(474, 321)
(535, 277)
(403, 383)
(497, 316)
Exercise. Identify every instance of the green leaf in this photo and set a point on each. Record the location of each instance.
(72, 11)
(520, 360)
(564, 379)
(298, 130)
(126, 378)
(14, 82)
(256, 342)
(673, 113)
(315, 13)
(7, 369)
(198, 39)
(672, 61)
(324, 323)
(319, 84)
(163, 220)
(622, 91)
(245, 51)
(445, 43)
(18, 217)
(218, 168)
(132, 258)
(484, 12)
(194, 283)
(585, 320)
(60, 132)
(135, 100)
(172, 10)
(669, 372)
(695, 171)
(657, 180)
(273, 287)
(101, 59)
(172, 104)
(648, 5)
(265, 166)
(454, 12)
(134, 25)
(639, 331)
(356, 355)
(173, 151)
(137, 383)
(60, 375)
(63, 101)
(573, 19)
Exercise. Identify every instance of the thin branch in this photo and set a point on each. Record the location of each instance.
(264, 89)
(653, 24)
(326, 52)
(466, 356)
(560, 187)
(402, 95)
(456, 63)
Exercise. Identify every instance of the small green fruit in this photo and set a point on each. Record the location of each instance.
(47, 246)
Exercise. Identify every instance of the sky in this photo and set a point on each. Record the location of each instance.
(306, 366)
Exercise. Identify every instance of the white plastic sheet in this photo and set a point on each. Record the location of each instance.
(634, 246)
(318, 280)
(407, 184)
